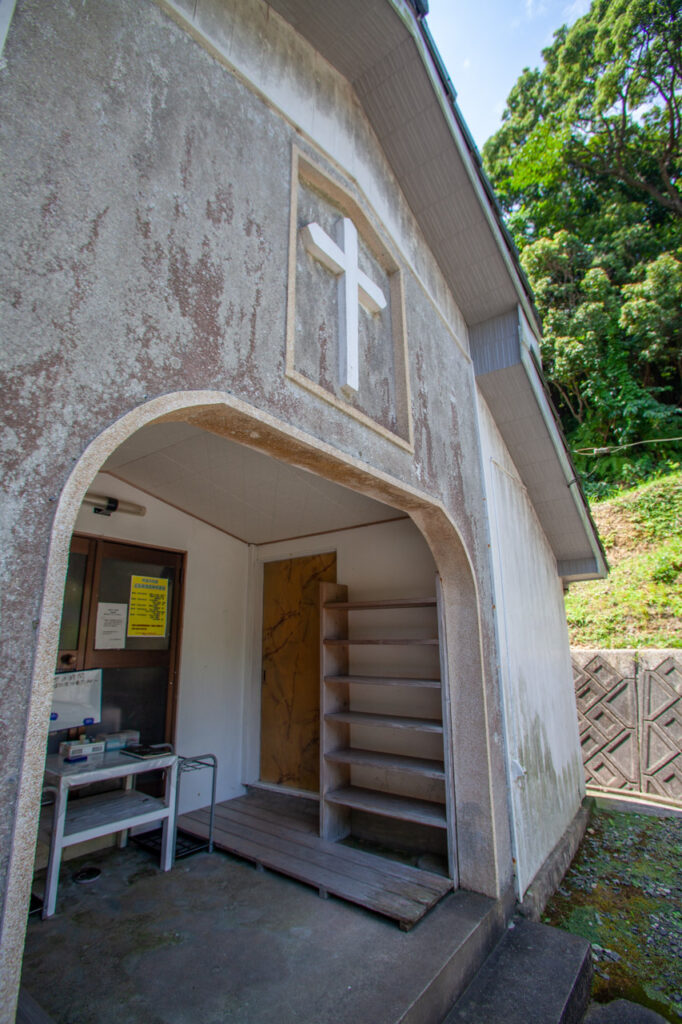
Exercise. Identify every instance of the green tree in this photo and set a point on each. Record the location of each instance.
(651, 315)
(587, 167)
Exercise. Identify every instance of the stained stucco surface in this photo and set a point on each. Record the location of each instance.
(546, 781)
(143, 251)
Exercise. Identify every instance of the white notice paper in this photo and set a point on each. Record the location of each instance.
(77, 699)
(110, 630)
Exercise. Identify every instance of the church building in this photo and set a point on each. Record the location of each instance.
(281, 477)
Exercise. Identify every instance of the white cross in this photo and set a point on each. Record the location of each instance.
(354, 286)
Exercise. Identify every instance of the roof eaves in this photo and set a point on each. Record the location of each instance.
(475, 157)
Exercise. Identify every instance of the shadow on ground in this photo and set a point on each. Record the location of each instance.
(217, 941)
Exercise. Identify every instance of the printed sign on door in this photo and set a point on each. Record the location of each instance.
(148, 611)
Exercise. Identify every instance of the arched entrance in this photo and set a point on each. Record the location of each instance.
(220, 415)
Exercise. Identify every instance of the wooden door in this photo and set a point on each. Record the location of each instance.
(290, 693)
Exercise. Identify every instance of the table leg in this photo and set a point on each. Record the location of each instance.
(168, 837)
(128, 783)
(56, 842)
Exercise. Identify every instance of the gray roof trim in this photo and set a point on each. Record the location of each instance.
(577, 569)
(468, 152)
(506, 364)
(572, 478)
(526, 294)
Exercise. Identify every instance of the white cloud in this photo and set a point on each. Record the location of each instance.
(535, 9)
(466, 64)
(575, 9)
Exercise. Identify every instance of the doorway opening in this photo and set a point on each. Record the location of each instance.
(235, 509)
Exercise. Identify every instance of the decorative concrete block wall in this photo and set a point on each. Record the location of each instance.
(630, 718)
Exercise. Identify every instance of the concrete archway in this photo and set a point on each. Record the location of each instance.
(477, 761)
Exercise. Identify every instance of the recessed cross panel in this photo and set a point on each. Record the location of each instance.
(354, 288)
(346, 333)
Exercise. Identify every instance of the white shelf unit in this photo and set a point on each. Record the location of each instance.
(338, 757)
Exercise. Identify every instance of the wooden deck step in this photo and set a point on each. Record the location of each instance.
(427, 602)
(426, 768)
(253, 830)
(259, 805)
(433, 684)
(385, 721)
(401, 641)
(392, 875)
(389, 805)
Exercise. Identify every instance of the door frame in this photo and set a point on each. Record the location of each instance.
(95, 546)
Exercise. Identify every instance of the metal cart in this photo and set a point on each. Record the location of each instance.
(194, 764)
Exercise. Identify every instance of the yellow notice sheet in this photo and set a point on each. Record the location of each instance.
(148, 611)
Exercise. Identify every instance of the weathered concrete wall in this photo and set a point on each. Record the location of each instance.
(630, 714)
(543, 751)
(144, 239)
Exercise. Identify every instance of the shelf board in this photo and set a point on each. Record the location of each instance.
(429, 641)
(389, 805)
(427, 602)
(385, 721)
(94, 816)
(427, 769)
(433, 684)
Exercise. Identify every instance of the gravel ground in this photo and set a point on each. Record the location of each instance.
(623, 892)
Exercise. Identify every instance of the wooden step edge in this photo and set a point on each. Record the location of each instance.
(385, 721)
(427, 602)
(434, 684)
(426, 641)
(389, 805)
(425, 768)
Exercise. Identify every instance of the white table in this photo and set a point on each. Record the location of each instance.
(105, 813)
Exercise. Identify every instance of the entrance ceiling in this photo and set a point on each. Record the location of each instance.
(237, 489)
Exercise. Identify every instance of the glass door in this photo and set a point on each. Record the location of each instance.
(121, 615)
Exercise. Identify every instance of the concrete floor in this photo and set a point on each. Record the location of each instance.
(215, 941)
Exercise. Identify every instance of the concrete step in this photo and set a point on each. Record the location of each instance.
(535, 975)
(622, 1011)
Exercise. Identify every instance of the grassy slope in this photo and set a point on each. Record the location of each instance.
(640, 603)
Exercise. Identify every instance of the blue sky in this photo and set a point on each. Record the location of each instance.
(486, 44)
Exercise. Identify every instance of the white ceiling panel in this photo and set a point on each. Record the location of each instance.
(236, 489)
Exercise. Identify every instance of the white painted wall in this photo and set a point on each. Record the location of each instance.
(211, 677)
(543, 748)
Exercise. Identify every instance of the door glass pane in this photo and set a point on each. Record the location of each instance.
(73, 602)
(135, 698)
(115, 588)
(132, 698)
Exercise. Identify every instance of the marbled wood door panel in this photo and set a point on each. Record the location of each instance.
(290, 695)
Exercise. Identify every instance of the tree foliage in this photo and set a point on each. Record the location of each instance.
(587, 165)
